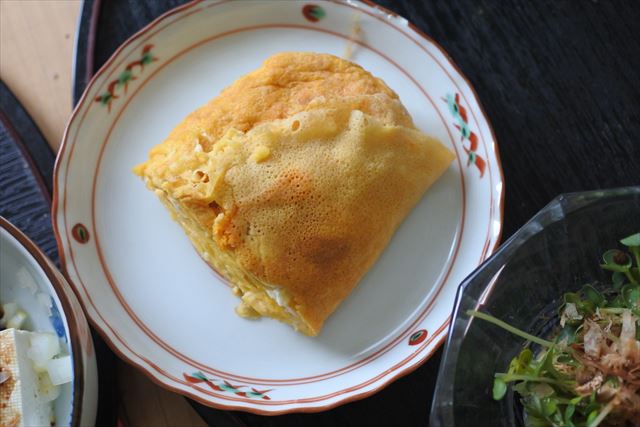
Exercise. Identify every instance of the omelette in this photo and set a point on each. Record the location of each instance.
(291, 182)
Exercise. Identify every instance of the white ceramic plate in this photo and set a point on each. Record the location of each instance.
(156, 301)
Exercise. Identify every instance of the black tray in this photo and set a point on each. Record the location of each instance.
(559, 82)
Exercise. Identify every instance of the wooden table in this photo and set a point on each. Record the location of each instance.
(559, 81)
(36, 57)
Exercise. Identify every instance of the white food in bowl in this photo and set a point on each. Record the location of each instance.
(60, 355)
(27, 389)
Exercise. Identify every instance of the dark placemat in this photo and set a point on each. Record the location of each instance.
(558, 81)
(20, 127)
(25, 200)
(26, 170)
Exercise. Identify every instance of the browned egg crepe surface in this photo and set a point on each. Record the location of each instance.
(292, 181)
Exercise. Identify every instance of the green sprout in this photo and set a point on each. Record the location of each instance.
(547, 382)
(620, 262)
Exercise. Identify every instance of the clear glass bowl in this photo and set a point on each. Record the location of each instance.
(557, 251)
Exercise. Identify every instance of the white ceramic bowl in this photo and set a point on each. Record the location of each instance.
(25, 272)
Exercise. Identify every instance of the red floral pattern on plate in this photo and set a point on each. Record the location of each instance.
(459, 113)
(80, 233)
(226, 387)
(127, 75)
(313, 13)
(418, 336)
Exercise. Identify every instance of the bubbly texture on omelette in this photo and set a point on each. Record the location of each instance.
(292, 181)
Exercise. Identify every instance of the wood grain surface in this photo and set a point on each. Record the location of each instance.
(36, 57)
